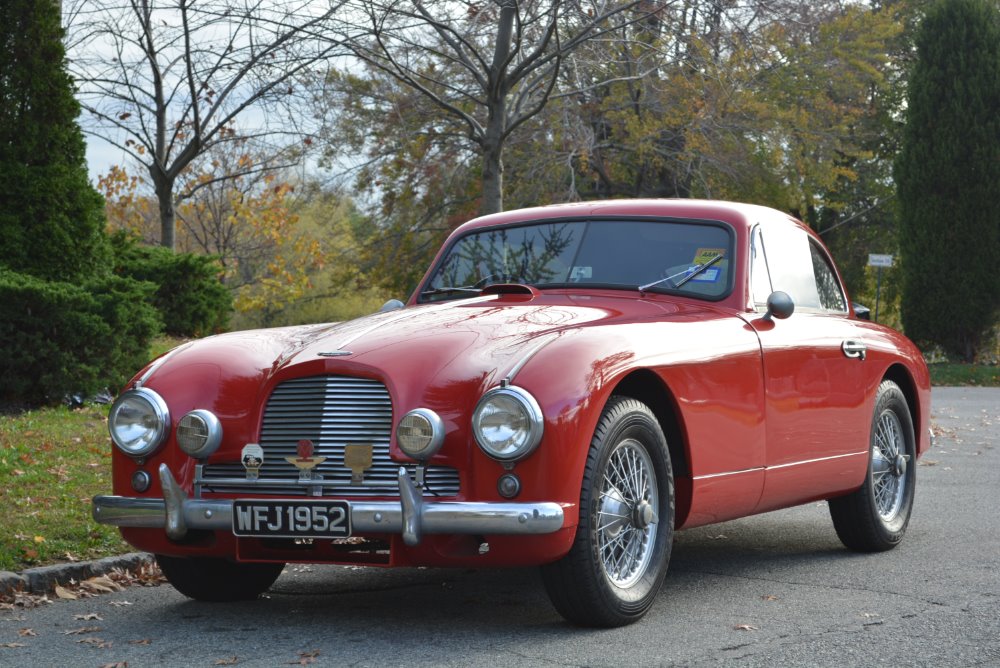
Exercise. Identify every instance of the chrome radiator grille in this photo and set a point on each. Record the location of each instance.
(332, 412)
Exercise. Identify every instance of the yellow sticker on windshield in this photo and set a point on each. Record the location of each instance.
(703, 255)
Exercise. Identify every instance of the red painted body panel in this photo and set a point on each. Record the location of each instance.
(761, 414)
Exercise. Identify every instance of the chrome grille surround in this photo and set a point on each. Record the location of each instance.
(332, 412)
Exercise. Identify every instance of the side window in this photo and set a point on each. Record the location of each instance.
(789, 261)
(760, 277)
(831, 296)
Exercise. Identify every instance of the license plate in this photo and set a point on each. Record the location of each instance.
(292, 519)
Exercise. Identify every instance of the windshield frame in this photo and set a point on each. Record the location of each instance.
(419, 298)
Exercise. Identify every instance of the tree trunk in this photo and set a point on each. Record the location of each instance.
(164, 187)
(492, 180)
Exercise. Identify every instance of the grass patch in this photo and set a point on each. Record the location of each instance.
(52, 461)
(954, 373)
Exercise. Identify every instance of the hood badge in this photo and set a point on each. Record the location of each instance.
(305, 462)
(358, 458)
(252, 458)
(335, 353)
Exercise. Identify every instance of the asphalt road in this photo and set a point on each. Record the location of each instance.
(777, 589)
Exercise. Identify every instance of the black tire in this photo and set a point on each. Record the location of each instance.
(581, 586)
(218, 580)
(874, 517)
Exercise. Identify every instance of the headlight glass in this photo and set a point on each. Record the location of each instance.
(420, 433)
(507, 423)
(139, 422)
(199, 433)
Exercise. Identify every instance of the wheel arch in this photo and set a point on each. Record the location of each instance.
(898, 374)
(645, 386)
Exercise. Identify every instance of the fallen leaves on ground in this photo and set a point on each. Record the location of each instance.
(89, 616)
(769, 597)
(305, 658)
(745, 627)
(144, 641)
(228, 661)
(25, 633)
(99, 643)
(12, 645)
(116, 664)
(83, 629)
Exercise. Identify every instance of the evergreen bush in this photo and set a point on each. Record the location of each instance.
(59, 338)
(189, 295)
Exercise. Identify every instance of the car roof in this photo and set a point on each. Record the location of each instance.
(692, 209)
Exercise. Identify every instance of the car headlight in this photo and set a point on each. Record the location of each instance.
(507, 423)
(420, 433)
(199, 433)
(139, 422)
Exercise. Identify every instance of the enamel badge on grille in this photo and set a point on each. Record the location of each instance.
(252, 459)
(358, 458)
(305, 462)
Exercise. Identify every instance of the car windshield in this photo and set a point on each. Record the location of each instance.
(659, 256)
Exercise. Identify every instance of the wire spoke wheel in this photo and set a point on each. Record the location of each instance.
(874, 517)
(626, 520)
(621, 549)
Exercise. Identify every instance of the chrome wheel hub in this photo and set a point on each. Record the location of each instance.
(626, 514)
(889, 464)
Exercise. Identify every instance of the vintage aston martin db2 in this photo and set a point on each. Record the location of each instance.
(566, 387)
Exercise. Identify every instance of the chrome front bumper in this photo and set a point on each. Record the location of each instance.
(411, 516)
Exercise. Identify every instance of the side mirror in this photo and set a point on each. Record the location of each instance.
(861, 311)
(779, 305)
(391, 305)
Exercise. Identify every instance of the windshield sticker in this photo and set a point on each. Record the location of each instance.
(703, 255)
(580, 273)
(707, 276)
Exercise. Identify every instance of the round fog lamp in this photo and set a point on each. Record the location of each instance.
(140, 481)
(199, 433)
(420, 433)
(509, 485)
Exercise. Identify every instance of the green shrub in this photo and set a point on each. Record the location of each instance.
(189, 295)
(59, 338)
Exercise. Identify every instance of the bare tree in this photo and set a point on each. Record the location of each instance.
(167, 81)
(492, 65)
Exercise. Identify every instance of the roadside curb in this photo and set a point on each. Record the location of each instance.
(43, 579)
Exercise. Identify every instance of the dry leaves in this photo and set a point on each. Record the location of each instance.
(11, 645)
(144, 641)
(745, 627)
(228, 661)
(83, 629)
(769, 597)
(89, 617)
(305, 658)
(99, 643)
(116, 664)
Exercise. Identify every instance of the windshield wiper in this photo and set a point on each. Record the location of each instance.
(688, 274)
(451, 289)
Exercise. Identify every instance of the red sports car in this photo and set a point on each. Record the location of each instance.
(567, 386)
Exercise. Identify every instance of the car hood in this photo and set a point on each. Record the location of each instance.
(465, 345)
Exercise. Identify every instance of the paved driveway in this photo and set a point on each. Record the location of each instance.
(772, 590)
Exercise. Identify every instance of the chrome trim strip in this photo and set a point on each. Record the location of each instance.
(778, 466)
(540, 343)
(409, 518)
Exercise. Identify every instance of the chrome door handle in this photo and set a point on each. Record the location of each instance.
(854, 349)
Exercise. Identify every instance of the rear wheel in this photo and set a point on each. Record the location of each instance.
(613, 571)
(874, 517)
(218, 580)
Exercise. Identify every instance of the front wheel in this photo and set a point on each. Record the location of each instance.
(218, 580)
(874, 517)
(618, 560)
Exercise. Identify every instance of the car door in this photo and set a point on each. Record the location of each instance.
(816, 418)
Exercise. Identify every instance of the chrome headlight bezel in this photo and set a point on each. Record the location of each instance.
(429, 420)
(529, 409)
(157, 413)
(203, 420)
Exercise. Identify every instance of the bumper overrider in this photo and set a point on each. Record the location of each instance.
(411, 516)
